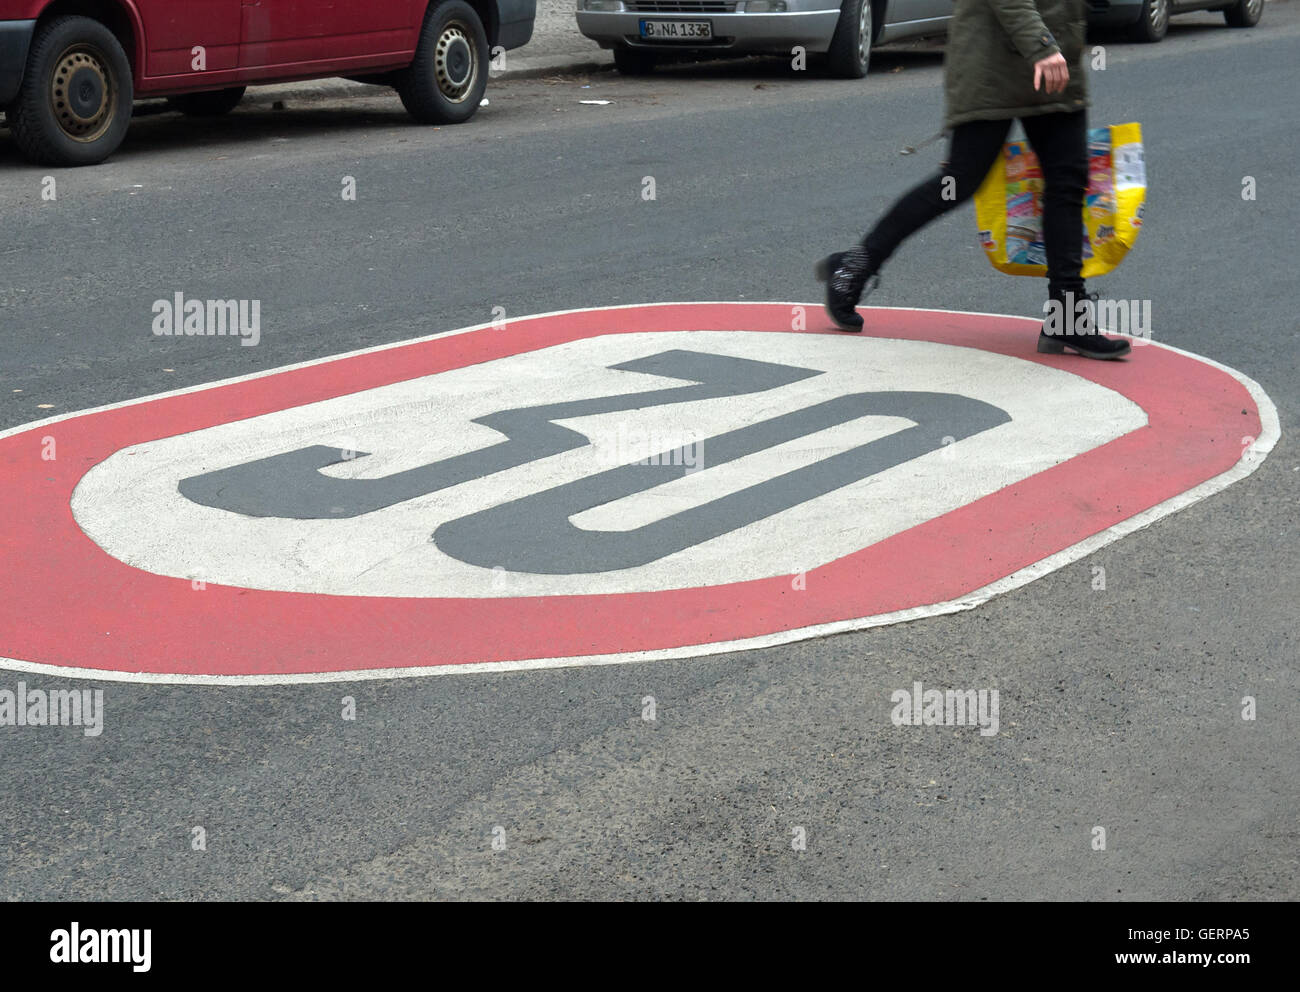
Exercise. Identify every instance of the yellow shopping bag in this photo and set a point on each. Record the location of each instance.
(1009, 204)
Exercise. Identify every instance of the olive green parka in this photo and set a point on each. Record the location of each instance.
(991, 51)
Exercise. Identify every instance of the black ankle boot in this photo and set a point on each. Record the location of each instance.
(845, 274)
(1076, 328)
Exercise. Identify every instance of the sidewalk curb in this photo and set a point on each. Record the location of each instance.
(560, 67)
(337, 88)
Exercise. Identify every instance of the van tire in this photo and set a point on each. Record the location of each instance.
(445, 82)
(54, 125)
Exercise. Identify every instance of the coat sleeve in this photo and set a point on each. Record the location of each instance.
(1022, 23)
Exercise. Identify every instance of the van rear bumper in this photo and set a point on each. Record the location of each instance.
(516, 25)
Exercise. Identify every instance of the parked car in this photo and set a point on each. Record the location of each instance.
(1148, 20)
(641, 32)
(69, 69)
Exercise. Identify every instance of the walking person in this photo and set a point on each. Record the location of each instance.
(1005, 60)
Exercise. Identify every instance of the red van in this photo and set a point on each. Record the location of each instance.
(69, 69)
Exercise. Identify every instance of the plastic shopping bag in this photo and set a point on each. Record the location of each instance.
(1009, 204)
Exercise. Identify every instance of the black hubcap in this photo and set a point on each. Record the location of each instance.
(458, 62)
(85, 92)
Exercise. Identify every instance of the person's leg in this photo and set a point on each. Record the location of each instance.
(972, 150)
(1061, 143)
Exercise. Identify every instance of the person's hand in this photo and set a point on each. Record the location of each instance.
(1053, 72)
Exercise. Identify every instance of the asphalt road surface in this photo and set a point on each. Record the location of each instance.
(1120, 708)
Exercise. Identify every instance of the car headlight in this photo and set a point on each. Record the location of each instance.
(765, 7)
(609, 6)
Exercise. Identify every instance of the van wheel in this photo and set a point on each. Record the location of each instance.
(74, 105)
(214, 103)
(850, 51)
(445, 82)
(633, 61)
(1243, 13)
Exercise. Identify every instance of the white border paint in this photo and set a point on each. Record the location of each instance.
(1270, 433)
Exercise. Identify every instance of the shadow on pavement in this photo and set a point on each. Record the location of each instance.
(156, 129)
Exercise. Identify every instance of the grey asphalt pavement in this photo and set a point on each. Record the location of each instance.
(1119, 708)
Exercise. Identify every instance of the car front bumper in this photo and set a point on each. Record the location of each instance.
(811, 29)
(15, 39)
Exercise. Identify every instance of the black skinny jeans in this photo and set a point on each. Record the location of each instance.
(1061, 143)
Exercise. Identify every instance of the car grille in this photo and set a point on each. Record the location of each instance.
(680, 6)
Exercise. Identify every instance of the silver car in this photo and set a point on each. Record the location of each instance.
(642, 31)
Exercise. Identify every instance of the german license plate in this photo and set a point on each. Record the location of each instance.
(676, 30)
